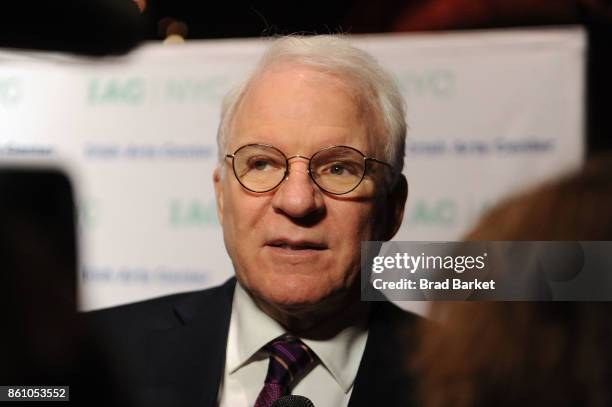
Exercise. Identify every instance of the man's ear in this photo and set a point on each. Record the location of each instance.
(394, 207)
(218, 183)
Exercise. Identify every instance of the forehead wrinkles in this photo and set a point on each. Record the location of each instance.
(304, 93)
(298, 85)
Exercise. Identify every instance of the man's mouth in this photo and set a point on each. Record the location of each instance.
(297, 245)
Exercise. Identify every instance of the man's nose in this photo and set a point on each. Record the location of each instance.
(298, 196)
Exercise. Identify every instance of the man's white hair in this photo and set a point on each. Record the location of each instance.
(375, 88)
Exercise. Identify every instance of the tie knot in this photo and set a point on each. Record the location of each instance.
(289, 359)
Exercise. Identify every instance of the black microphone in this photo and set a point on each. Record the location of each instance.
(292, 401)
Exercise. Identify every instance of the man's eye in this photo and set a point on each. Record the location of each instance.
(262, 164)
(336, 169)
(341, 169)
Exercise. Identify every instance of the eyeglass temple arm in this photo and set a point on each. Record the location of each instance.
(394, 173)
(380, 162)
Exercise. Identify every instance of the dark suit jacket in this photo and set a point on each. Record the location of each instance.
(171, 350)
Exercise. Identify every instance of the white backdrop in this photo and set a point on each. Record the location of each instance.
(489, 112)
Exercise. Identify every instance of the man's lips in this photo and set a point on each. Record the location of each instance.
(296, 244)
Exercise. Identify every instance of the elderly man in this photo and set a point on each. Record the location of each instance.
(311, 150)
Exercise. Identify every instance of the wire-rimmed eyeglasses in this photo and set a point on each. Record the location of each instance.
(337, 170)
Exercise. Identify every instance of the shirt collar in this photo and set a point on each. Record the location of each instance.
(251, 329)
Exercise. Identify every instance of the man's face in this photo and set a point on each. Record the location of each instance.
(296, 245)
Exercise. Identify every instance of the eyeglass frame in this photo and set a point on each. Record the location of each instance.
(287, 159)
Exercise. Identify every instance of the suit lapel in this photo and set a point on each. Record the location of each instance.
(186, 360)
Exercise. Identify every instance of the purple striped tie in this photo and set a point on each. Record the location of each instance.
(289, 359)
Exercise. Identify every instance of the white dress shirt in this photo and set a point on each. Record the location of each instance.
(328, 384)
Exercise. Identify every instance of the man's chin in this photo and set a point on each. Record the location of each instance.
(293, 300)
(306, 312)
(298, 294)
